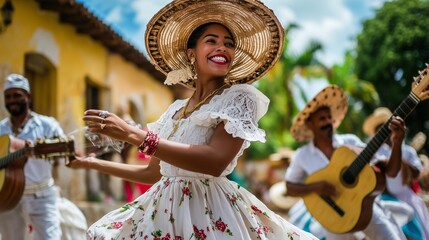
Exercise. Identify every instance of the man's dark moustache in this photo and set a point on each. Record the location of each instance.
(327, 126)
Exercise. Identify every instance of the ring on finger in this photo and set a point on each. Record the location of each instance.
(103, 114)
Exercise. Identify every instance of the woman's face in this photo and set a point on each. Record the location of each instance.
(214, 52)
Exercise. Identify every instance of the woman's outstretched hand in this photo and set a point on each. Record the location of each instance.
(107, 123)
(82, 162)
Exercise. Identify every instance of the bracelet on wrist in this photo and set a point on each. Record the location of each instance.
(149, 144)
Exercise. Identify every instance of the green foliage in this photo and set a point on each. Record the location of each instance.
(277, 86)
(391, 49)
(361, 94)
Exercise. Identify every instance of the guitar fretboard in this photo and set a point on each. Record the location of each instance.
(4, 161)
(404, 109)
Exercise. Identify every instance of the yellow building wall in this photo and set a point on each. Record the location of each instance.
(130, 84)
(76, 57)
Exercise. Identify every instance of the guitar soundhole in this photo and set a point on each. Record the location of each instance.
(347, 178)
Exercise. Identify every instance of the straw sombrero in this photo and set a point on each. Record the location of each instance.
(418, 141)
(281, 157)
(257, 33)
(333, 97)
(378, 117)
(278, 196)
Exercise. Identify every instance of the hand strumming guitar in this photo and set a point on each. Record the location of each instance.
(324, 188)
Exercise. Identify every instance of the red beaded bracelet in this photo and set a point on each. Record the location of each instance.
(149, 144)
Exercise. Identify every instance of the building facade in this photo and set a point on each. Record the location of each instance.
(75, 62)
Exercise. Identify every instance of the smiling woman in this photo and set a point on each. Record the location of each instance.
(217, 48)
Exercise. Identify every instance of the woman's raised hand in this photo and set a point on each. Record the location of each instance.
(107, 123)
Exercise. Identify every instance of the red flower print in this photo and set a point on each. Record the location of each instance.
(220, 225)
(186, 191)
(178, 238)
(256, 209)
(116, 225)
(167, 237)
(199, 234)
(166, 183)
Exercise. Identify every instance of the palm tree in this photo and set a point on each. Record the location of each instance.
(363, 96)
(280, 88)
(286, 85)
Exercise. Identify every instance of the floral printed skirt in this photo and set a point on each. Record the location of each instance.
(195, 208)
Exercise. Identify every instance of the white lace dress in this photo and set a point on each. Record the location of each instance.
(190, 205)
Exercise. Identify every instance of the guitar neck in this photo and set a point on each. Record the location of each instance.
(404, 109)
(6, 160)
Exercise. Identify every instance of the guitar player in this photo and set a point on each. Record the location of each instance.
(37, 213)
(400, 188)
(316, 124)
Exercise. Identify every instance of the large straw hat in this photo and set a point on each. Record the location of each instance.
(378, 117)
(278, 196)
(257, 33)
(281, 158)
(418, 141)
(333, 97)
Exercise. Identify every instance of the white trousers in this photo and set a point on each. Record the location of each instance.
(36, 217)
(381, 227)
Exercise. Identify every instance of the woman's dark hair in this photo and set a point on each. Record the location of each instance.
(198, 32)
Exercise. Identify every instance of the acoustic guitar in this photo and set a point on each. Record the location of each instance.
(357, 182)
(12, 179)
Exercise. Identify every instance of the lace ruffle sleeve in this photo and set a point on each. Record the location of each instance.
(240, 107)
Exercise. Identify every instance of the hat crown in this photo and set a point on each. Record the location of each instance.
(16, 81)
(377, 118)
(332, 97)
(382, 112)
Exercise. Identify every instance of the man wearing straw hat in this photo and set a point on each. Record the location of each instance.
(316, 124)
(399, 187)
(37, 212)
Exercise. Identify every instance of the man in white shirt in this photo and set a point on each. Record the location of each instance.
(316, 124)
(400, 186)
(37, 212)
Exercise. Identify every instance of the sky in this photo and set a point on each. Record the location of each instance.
(333, 23)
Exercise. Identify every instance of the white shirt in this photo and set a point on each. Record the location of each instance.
(409, 156)
(308, 158)
(37, 127)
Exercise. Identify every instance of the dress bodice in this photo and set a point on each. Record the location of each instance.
(240, 107)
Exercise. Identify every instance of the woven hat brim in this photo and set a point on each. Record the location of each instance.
(378, 117)
(277, 196)
(256, 30)
(333, 97)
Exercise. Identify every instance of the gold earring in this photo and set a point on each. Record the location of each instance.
(226, 80)
(193, 71)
